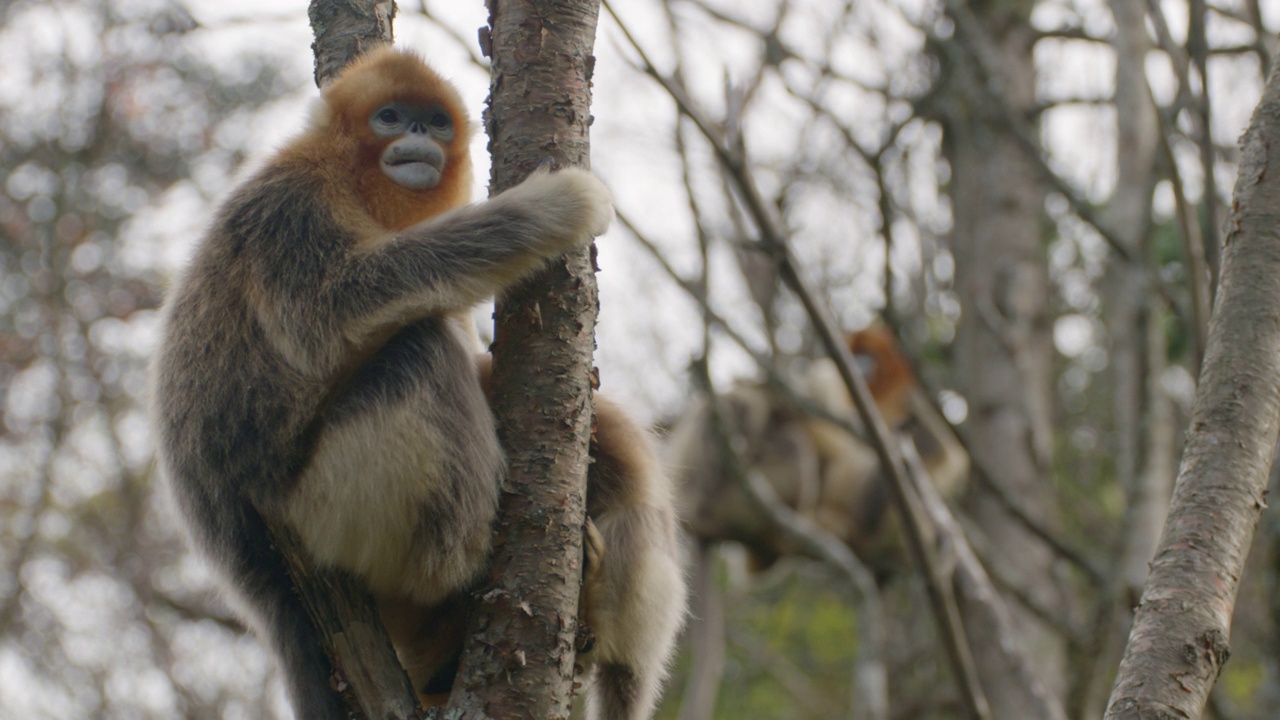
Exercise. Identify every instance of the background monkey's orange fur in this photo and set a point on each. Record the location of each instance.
(815, 466)
(890, 378)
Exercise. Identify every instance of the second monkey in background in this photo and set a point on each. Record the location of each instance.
(816, 467)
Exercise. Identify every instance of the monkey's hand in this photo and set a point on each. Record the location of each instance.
(459, 258)
(593, 588)
(571, 206)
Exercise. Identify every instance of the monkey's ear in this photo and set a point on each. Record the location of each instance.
(320, 115)
(467, 126)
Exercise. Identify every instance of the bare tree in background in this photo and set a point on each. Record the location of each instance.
(1003, 346)
(107, 108)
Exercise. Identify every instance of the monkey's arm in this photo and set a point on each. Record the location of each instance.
(322, 288)
(464, 256)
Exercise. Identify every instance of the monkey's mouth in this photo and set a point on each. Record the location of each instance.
(411, 163)
(414, 164)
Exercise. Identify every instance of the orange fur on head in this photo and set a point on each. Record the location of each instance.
(891, 380)
(383, 75)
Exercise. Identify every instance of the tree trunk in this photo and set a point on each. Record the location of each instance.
(1003, 345)
(520, 653)
(1140, 406)
(1179, 639)
(346, 28)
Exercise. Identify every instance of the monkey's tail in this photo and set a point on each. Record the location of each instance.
(639, 614)
(238, 542)
(618, 694)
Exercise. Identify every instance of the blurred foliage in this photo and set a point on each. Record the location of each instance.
(105, 108)
(790, 645)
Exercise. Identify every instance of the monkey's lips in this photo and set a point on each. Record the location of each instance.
(413, 174)
(414, 165)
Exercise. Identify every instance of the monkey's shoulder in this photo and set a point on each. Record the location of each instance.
(285, 206)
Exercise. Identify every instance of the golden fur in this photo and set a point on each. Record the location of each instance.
(816, 467)
(340, 131)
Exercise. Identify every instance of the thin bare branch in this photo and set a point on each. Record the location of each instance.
(470, 45)
(1182, 60)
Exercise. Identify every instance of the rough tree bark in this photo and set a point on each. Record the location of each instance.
(520, 650)
(345, 28)
(1179, 639)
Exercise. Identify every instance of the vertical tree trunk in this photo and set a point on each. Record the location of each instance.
(1179, 638)
(520, 651)
(706, 633)
(1139, 403)
(1129, 286)
(1003, 345)
(345, 28)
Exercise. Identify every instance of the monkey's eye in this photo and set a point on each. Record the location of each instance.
(440, 120)
(388, 116)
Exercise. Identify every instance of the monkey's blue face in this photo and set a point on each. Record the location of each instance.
(418, 136)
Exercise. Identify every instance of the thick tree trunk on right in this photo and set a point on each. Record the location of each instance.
(1179, 639)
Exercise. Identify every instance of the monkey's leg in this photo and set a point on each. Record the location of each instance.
(413, 427)
(636, 607)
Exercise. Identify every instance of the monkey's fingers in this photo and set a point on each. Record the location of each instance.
(592, 551)
(592, 585)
